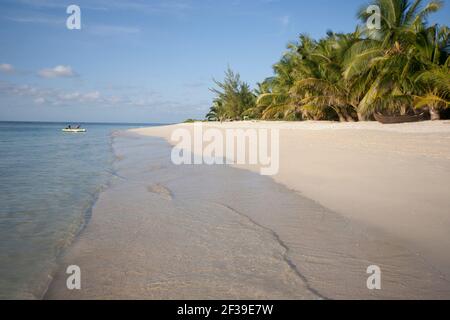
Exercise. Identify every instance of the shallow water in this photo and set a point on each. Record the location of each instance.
(49, 181)
(162, 231)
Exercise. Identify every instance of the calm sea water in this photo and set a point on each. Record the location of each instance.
(49, 181)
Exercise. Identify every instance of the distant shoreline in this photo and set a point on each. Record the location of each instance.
(88, 122)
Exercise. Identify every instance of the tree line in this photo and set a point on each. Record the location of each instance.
(400, 68)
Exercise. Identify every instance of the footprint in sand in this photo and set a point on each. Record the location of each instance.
(161, 191)
(156, 167)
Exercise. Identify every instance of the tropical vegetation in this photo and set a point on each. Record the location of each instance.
(401, 68)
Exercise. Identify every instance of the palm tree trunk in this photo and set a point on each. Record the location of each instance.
(361, 116)
(340, 115)
(403, 110)
(348, 117)
(435, 115)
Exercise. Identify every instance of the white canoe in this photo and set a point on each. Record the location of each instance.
(74, 130)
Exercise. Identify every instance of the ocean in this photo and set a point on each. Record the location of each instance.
(49, 181)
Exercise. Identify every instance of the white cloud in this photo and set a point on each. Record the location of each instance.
(6, 68)
(91, 96)
(37, 20)
(41, 3)
(48, 95)
(66, 98)
(109, 30)
(143, 6)
(57, 72)
(39, 100)
(69, 96)
(285, 21)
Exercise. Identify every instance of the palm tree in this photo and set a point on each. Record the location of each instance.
(434, 82)
(274, 98)
(390, 58)
(322, 86)
(215, 112)
(280, 100)
(401, 68)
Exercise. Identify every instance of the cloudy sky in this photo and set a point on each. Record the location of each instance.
(146, 61)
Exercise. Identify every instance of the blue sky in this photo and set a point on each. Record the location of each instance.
(147, 61)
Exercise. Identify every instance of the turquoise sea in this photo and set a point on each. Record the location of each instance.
(49, 181)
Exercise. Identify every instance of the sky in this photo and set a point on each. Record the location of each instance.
(149, 61)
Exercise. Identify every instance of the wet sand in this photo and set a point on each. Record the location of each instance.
(392, 177)
(162, 231)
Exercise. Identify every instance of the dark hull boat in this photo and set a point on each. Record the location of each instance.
(400, 119)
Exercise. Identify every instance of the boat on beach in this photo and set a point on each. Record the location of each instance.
(400, 119)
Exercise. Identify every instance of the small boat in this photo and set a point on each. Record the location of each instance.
(400, 119)
(74, 130)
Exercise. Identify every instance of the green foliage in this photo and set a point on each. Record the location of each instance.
(401, 68)
(233, 98)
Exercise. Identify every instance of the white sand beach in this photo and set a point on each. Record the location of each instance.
(347, 196)
(394, 177)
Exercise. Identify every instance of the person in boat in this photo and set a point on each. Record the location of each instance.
(78, 127)
(69, 127)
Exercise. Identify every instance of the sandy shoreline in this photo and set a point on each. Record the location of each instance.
(395, 177)
(200, 232)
